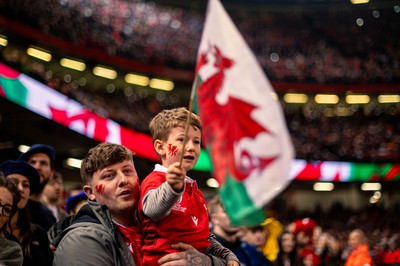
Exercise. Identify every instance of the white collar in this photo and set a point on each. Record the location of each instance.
(161, 168)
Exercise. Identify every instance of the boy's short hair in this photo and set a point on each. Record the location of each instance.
(161, 125)
(101, 156)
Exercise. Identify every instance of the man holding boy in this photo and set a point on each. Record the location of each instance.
(105, 231)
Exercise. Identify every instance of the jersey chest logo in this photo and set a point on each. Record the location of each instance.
(195, 220)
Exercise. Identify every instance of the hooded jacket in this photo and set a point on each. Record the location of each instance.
(247, 254)
(89, 238)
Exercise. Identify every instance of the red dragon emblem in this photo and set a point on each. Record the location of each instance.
(226, 125)
(100, 131)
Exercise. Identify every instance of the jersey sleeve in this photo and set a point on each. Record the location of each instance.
(157, 197)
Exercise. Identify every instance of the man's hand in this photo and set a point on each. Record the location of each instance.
(187, 257)
(233, 263)
(176, 177)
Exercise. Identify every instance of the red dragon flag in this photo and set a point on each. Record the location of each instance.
(244, 127)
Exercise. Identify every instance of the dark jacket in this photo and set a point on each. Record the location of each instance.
(40, 253)
(40, 214)
(89, 238)
(247, 254)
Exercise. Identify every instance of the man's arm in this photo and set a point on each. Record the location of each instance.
(217, 250)
(188, 256)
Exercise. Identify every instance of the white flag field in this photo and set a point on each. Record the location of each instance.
(244, 128)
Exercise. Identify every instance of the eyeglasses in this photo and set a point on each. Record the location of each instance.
(6, 209)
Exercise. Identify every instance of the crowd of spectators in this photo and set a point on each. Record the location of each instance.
(380, 225)
(291, 45)
(367, 133)
(336, 45)
(359, 137)
(308, 47)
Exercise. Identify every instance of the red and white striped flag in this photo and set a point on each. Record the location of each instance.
(244, 127)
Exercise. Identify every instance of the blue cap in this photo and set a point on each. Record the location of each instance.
(73, 200)
(23, 168)
(39, 148)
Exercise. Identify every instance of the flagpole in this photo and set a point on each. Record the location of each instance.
(191, 102)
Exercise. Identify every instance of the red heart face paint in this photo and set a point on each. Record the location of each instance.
(172, 150)
(100, 189)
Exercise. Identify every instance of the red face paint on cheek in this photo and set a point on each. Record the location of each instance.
(172, 150)
(100, 189)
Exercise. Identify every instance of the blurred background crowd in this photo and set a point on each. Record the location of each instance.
(339, 45)
(368, 134)
(292, 44)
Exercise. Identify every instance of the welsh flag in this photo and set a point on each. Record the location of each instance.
(244, 127)
(344, 171)
(41, 99)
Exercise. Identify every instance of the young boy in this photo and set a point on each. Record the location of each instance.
(171, 207)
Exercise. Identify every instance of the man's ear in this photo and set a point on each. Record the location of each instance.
(52, 174)
(213, 219)
(159, 147)
(89, 192)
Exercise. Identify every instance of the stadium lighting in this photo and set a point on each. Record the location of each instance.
(323, 186)
(23, 148)
(386, 98)
(275, 96)
(212, 182)
(137, 79)
(39, 53)
(104, 72)
(3, 40)
(161, 84)
(326, 99)
(72, 162)
(357, 99)
(73, 64)
(356, 2)
(295, 98)
(371, 186)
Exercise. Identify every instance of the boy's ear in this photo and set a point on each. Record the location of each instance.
(159, 147)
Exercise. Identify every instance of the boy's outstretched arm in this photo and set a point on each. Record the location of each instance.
(158, 202)
(176, 177)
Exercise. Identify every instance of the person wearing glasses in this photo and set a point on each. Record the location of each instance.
(31, 237)
(10, 251)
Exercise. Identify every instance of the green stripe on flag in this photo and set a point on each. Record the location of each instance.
(204, 162)
(241, 209)
(364, 172)
(14, 90)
